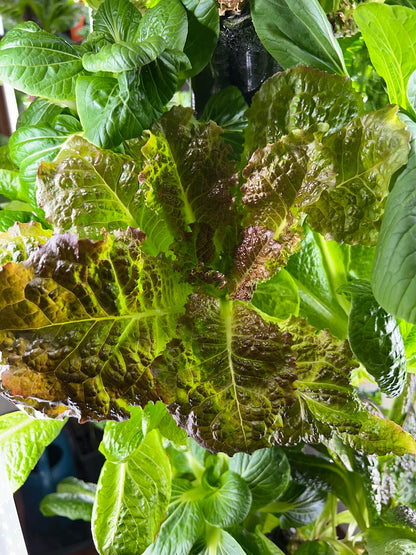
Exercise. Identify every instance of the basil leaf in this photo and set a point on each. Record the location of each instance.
(39, 63)
(266, 472)
(389, 33)
(74, 500)
(298, 33)
(131, 500)
(375, 339)
(22, 442)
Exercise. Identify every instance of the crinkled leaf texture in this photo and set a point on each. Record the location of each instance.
(22, 442)
(82, 321)
(238, 382)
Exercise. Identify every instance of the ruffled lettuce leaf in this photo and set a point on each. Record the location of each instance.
(82, 321)
(238, 382)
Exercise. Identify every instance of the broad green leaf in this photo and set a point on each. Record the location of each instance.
(10, 185)
(124, 56)
(256, 543)
(39, 112)
(302, 98)
(156, 415)
(22, 442)
(131, 500)
(266, 472)
(299, 505)
(389, 33)
(390, 540)
(9, 217)
(166, 20)
(278, 297)
(5, 160)
(29, 146)
(406, 3)
(183, 524)
(298, 33)
(117, 20)
(319, 270)
(375, 339)
(74, 499)
(39, 63)
(108, 196)
(361, 260)
(330, 6)
(362, 157)
(228, 501)
(220, 542)
(408, 333)
(19, 241)
(112, 110)
(203, 31)
(89, 318)
(394, 271)
(228, 109)
(252, 383)
(257, 258)
(121, 439)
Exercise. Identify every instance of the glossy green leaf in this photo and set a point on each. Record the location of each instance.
(375, 339)
(256, 543)
(39, 63)
(124, 56)
(393, 280)
(10, 185)
(166, 20)
(121, 439)
(117, 20)
(278, 296)
(266, 472)
(39, 112)
(131, 500)
(89, 318)
(315, 548)
(319, 270)
(156, 415)
(183, 525)
(203, 31)
(74, 499)
(29, 146)
(112, 110)
(361, 260)
(228, 109)
(251, 383)
(228, 502)
(390, 540)
(220, 542)
(301, 98)
(298, 33)
(22, 442)
(363, 157)
(389, 33)
(299, 505)
(9, 217)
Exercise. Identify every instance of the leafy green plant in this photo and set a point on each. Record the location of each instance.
(229, 272)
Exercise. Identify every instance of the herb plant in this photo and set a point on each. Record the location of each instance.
(243, 273)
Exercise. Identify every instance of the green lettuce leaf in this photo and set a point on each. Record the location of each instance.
(39, 63)
(300, 98)
(375, 339)
(22, 442)
(251, 383)
(298, 33)
(73, 499)
(85, 320)
(359, 161)
(19, 241)
(389, 33)
(132, 498)
(278, 297)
